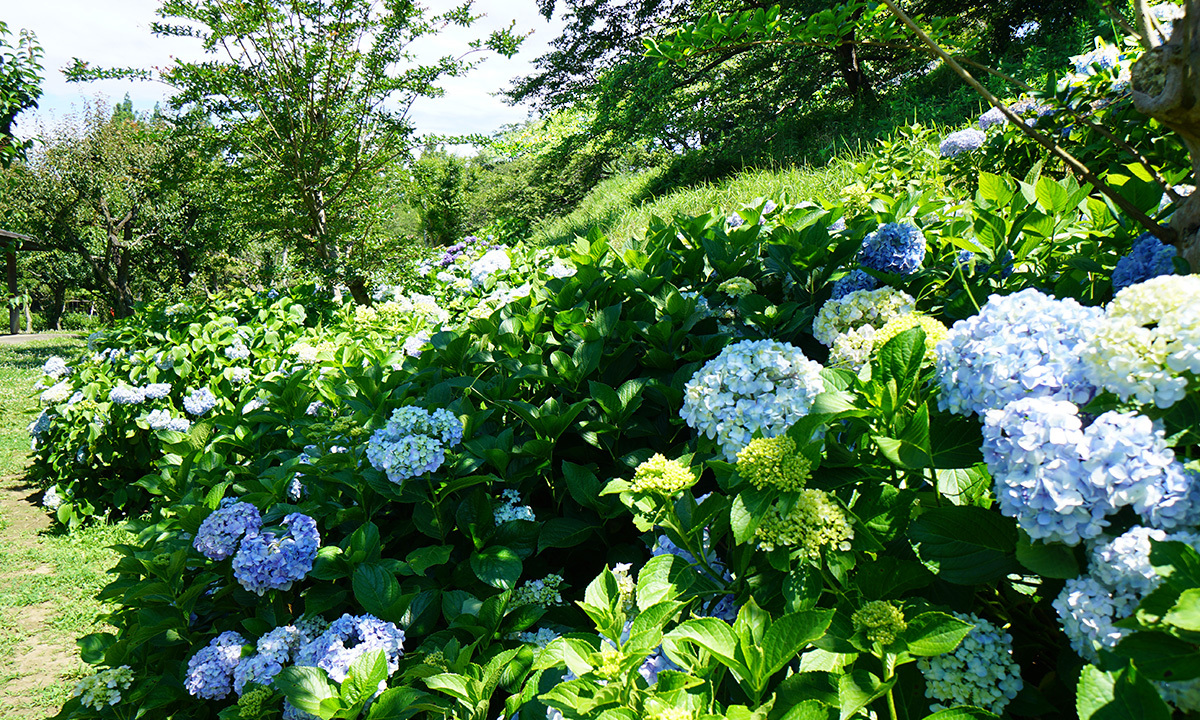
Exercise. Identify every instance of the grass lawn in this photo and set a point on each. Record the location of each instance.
(48, 579)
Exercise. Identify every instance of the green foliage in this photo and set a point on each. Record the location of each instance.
(20, 88)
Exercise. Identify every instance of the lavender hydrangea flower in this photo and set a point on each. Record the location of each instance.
(210, 671)
(1022, 345)
(413, 442)
(272, 560)
(963, 141)
(199, 402)
(157, 391)
(273, 650)
(852, 282)
(1127, 456)
(1087, 610)
(1032, 450)
(348, 638)
(1148, 258)
(126, 395)
(221, 531)
(994, 117)
(893, 248)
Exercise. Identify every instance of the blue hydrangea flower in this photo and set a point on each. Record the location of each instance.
(655, 664)
(348, 638)
(221, 531)
(1087, 610)
(838, 225)
(893, 248)
(159, 419)
(994, 117)
(979, 672)
(273, 560)
(1022, 345)
(413, 442)
(1148, 258)
(55, 367)
(156, 391)
(1173, 501)
(126, 395)
(273, 650)
(210, 671)
(198, 402)
(957, 143)
(1127, 456)
(854, 281)
(1032, 451)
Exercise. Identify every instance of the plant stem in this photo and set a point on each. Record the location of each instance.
(889, 670)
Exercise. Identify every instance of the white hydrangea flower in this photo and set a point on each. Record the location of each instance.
(752, 386)
(859, 308)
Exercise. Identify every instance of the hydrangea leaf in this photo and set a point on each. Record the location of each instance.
(961, 713)
(857, 689)
(1121, 695)
(664, 577)
(305, 687)
(934, 633)
(1186, 613)
(1160, 656)
(966, 545)
(561, 532)
(1051, 560)
(378, 592)
(499, 567)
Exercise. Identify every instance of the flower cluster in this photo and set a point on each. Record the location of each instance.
(57, 392)
(736, 287)
(413, 442)
(511, 508)
(935, 332)
(1061, 481)
(1022, 345)
(200, 401)
(273, 560)
(662, 476)
(273, 650)
(893, 248)
(162, 420)
(237, 350)
(348, 638)
(1148, 340)
(980, 671)
(222, 531)
(752, 386)
(813, 523)
(860, 309)
(425, 307)
(55, 367)
(126, 395)
(881, 621)
(963, 141)
(994, 117)
(774, 463)
(104, 688)
(855, 280)
(210, 671)
(492, 261)
(544, 592)
(1148, 258)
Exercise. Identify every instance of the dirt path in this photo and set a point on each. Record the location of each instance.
(37, 658)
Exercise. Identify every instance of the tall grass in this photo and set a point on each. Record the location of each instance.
(622, 206)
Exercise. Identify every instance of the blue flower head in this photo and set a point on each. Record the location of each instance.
(413, 442)
(1148, 258)
(963, 141)
(220, 533)
(348, 638)
(854, 281)
(894, 248)
(210, 671)
(200, 401)
(273, 560)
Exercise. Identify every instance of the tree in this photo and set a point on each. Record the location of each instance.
(124, 194)
(20, 88)
(311, 97)
(437, 190)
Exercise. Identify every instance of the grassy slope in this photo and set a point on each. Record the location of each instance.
(618, 206)
(48, 580)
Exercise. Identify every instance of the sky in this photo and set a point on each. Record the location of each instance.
(116, 33)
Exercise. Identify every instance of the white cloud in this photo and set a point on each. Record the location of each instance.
(116, 33)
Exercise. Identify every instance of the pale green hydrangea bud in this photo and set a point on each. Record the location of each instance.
(662, 476)
(626, 585)
(252, 703)
(813, 523)
(104, 688)
(544, 592)
(935, 332)
(881, 620)
(736, 287)
(774, 463)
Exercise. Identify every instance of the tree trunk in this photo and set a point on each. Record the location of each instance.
(1166, 87)
(851, 70)
(57, 306)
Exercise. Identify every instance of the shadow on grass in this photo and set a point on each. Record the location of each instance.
(34, 354)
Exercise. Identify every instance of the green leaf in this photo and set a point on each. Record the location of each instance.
(305, 687)
(955, 442)
(1185, 615)
(664, 577)
(460, 687)
(900, 360)
(857, 689)
(377, 590)
(1159, 656)
(713, 635)
(560, 532)
(966, 545)
(1123, 695)
(497, 566)
(1053, 560)
(402, 703)
(810, 710)
(747, 512)
(1051, 196)
(424, 558)
(790, 634)
(994, 188)
(363, 677)
(934, 633)
(962, 713)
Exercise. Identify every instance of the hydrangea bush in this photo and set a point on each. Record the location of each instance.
(583, 483)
